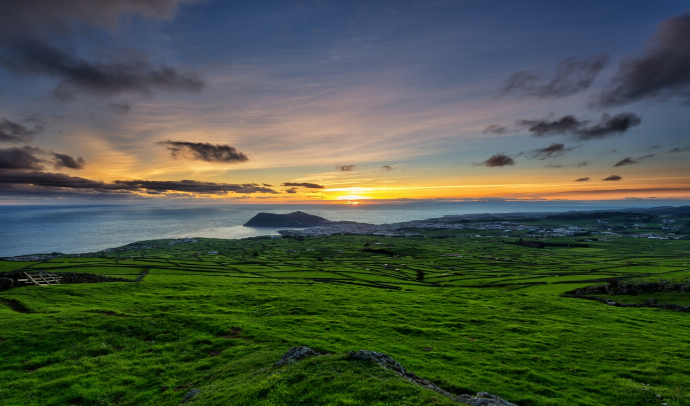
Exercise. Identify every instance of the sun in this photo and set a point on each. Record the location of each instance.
(353, 197)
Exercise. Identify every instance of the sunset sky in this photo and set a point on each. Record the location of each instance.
(315, 101)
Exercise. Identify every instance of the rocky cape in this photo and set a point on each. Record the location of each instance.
(295, 219)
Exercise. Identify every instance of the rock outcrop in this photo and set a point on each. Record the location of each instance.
(294, 354)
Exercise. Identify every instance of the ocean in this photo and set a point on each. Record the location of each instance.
(33, 229)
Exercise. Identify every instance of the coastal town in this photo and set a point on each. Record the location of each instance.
(666, 230)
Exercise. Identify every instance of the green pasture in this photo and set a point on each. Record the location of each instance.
(218, 323)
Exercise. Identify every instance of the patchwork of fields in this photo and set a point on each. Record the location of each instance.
(470, 314)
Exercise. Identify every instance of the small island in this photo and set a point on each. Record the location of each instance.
(295, 219)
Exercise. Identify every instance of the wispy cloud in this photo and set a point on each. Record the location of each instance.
(632, 161)
(680, 149)
(495, 129)
(304, 184)
(11, 131)
(570, 76)
(554, 150)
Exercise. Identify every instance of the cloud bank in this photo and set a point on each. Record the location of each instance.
(15, 181)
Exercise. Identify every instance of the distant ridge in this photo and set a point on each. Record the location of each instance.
(295, 219)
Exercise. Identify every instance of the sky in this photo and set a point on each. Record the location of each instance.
(343, 101)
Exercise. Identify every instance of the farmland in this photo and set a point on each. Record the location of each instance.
(467, 313)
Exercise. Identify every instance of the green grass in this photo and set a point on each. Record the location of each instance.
(473, 324)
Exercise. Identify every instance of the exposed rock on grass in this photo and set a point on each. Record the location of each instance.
(191, 394)
(385, 361)
(294, 354)
(483, 399)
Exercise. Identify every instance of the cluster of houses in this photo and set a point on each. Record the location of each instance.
(39, 257)
(182, 241)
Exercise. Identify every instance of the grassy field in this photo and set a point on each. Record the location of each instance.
(491, 320)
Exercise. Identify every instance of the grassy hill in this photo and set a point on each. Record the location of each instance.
(491, 320)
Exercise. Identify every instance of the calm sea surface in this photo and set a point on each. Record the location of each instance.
(77, 229)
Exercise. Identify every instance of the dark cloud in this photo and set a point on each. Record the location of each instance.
(582, 130)
(191, 186)
(660, 71)
(653, 147)
(570, 76)
(204, 151)
(77, 75)
(554, 166)
(66, 161)
(21, 158)
(307, 185)
(680, 149)
(613, 177)
(30, 158)
(387, 168)
(267, 185)
(34, 180)
(495, 129)
(497, 160)
(609, 125)
(291, 190)
(585, 179)
(583, 163)
(11, 131)
(346, 168)
(19, 18)
(121, 107)
(631, 161)
(48, 179)
(564, 125)
(552, 151)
